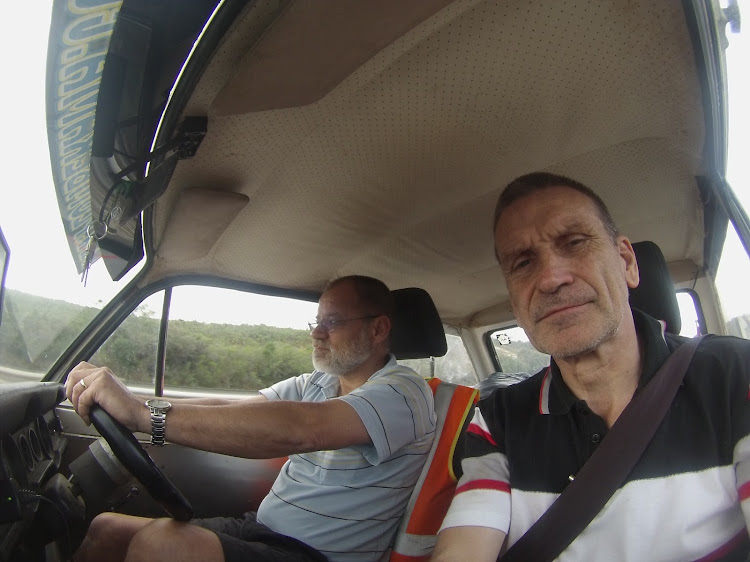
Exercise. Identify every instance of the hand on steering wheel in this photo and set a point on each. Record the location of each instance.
(138, 462)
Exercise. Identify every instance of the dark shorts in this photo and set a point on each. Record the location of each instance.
(244, 539)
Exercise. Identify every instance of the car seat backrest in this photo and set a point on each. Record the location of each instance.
(417, 333)
(428, 504)
(655, 294)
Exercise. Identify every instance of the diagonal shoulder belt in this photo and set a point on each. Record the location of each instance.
(608, 466)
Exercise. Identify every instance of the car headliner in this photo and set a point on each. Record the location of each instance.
(336, 146)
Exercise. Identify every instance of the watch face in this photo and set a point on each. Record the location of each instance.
(160, 404)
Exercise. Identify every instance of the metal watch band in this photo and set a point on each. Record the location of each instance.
(158, 409)
(158, 427)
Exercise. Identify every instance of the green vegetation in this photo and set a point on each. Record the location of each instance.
(36, 330)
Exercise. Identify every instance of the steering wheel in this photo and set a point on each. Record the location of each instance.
(138, 462)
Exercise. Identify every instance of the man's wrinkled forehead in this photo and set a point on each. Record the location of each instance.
(559, 226)
(544, 214)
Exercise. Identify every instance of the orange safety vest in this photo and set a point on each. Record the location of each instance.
(434, 489)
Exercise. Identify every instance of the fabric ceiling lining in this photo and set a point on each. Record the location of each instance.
(394, 172)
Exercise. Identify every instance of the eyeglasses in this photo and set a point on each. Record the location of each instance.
(329, 324)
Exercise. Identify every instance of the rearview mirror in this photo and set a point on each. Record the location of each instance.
(4, 259)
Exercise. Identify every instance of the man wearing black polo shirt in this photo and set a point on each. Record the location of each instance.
(568, 270)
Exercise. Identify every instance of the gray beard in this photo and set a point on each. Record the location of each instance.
(343, 361)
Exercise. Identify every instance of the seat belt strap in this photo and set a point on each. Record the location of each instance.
(608, 466)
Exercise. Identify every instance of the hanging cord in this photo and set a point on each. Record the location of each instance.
(95, 231)
(184, 144)
(99, 228)
(30, 495)
(121, 186)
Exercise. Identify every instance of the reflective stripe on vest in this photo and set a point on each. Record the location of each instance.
(433, 492)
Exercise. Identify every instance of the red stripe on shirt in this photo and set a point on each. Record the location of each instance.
(476, 430)
(484, 484)
(744, 491)
(726, 548)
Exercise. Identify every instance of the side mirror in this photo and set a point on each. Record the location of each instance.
(4, 259)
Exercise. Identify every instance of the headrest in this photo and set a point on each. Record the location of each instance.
(417, 331)
(655, 294)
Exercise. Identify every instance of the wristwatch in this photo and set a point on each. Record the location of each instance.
(159, 409)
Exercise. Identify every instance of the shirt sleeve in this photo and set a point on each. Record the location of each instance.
(289, 389)
(482, 496)
(397, 410)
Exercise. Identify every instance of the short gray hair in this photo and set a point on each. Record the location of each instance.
(373, 293)
(528, 184)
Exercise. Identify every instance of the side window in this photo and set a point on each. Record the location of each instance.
(218, 341)
(514, 352)
(691, 314)
(454, 367)
(130, 352)
(225, 340)
(731, 285)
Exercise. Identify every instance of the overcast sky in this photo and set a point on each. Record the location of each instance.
(30, 218)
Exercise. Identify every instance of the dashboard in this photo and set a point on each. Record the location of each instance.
(31, 448)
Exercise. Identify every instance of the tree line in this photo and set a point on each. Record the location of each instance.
(36, 330)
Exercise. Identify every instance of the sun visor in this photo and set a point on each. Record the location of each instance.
(78, 45)
(110, 67)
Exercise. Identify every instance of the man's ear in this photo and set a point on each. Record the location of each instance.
(625, 248)
(381, 327)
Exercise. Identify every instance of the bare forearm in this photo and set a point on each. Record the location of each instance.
(245, 430)
(480, 544)
(251, 429)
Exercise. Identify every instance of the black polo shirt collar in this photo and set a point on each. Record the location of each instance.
(556, 398)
